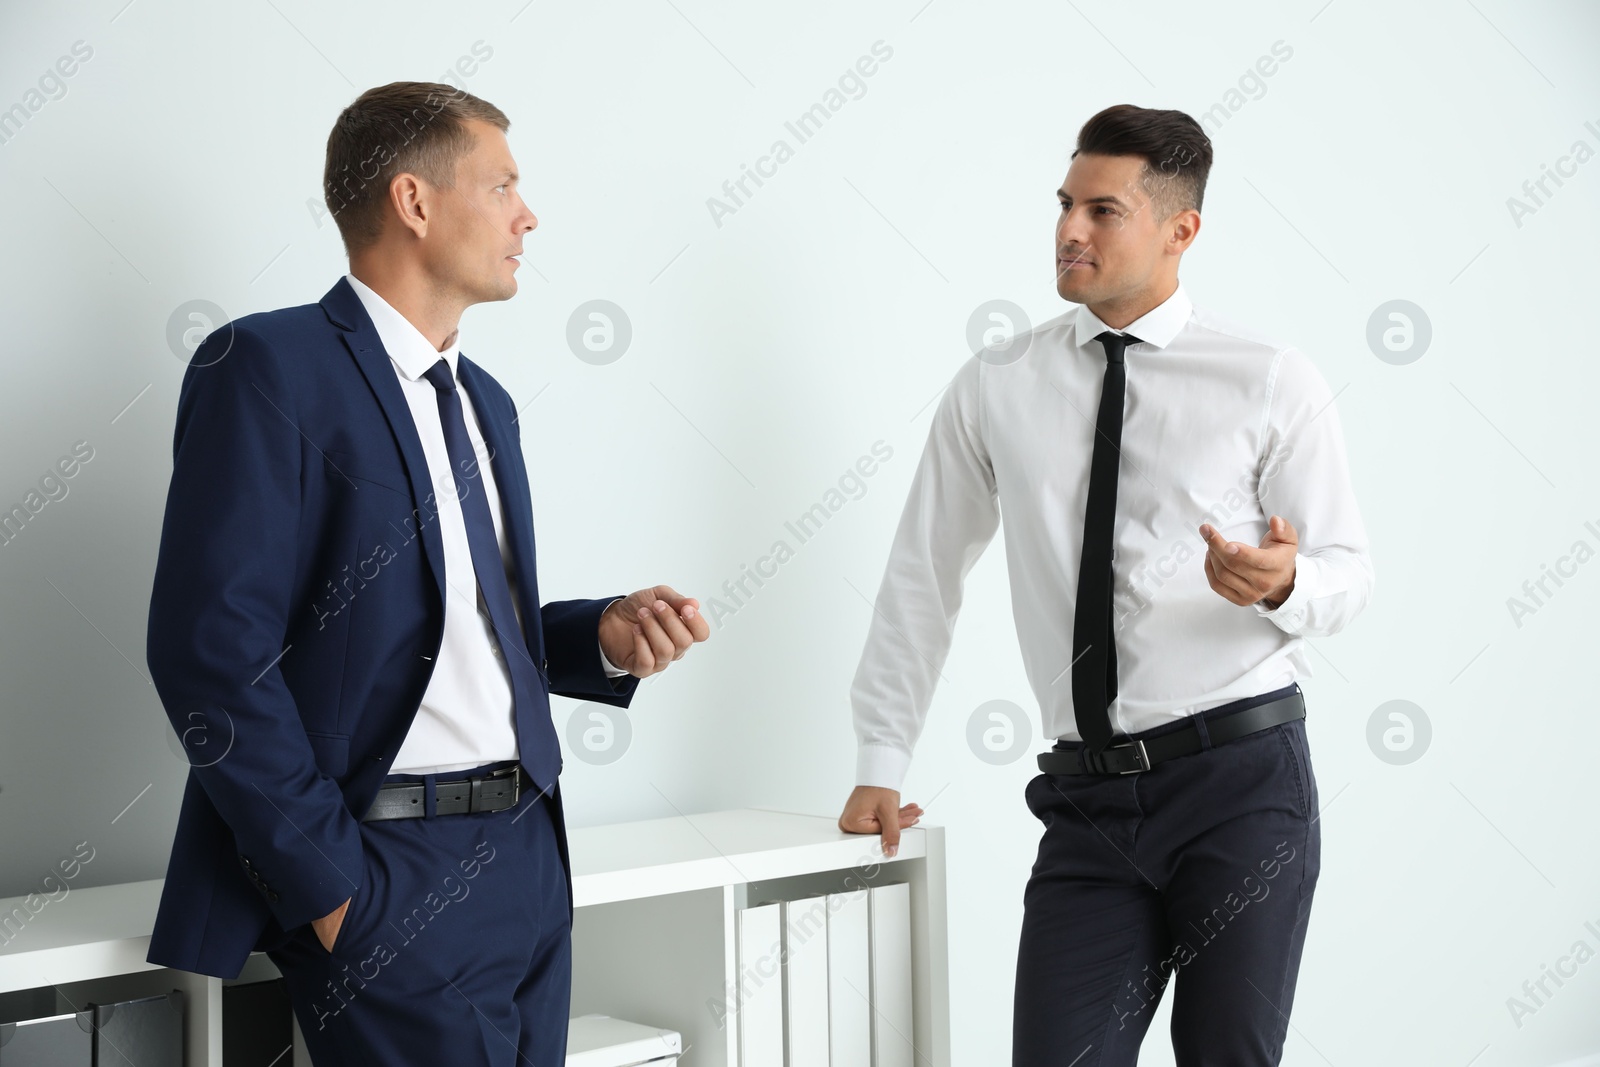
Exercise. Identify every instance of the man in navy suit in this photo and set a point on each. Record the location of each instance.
(346, 630)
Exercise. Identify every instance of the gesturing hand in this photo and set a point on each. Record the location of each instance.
(1244, 574)
(645, 633)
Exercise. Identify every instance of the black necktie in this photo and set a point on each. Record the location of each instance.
(1094, 655)
(538, 749)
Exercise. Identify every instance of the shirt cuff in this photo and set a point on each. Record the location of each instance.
(882, 766)
(612, 671)
(1289, 615)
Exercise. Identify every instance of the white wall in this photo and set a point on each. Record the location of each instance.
(178, 163)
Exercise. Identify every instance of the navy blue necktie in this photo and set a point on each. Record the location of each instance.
(1094, 653)
(537, 745)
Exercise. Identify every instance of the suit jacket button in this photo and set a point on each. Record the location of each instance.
(272, 896)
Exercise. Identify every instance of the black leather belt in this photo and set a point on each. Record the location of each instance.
(494, 791)
(1131, 757)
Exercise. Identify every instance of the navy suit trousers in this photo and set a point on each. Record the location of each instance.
(456, 949)
(1202, 867)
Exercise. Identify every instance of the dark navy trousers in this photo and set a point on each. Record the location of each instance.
(1199, 871)
(456, 949)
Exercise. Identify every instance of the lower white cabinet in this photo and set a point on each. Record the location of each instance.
(655, 933)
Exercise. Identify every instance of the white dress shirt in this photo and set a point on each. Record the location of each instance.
(465, 717)
(1219, 426)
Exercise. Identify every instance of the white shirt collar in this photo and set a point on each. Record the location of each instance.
(410, 351)
(1158, 326)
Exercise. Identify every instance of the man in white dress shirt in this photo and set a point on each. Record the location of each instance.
(1179, 518)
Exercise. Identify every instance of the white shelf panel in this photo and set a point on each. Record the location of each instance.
(625, 861)
(106, 929)
(87, 934)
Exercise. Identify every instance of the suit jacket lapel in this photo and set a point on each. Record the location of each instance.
(360, 336)
(516, 504)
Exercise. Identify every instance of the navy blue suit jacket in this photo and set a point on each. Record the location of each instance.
(297, 610)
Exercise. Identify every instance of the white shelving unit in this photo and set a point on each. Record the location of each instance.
(653, 934)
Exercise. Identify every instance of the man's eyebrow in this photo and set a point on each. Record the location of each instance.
(506, 175)
(1061, 195)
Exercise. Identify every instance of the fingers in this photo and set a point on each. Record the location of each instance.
(1248, 560)
(1235, 556)
(873, 810)
(867, 820)
(1233, 587)
(644, 660)
(676, 600)
(684, 612)
(909, 814)
(1218, 554)
(1286, 533)
(662, 649)
(1242, 574)
(1223, 581)
(1226, 556)
(699, 628)
(889, 821)
(1243, 558)
(665, 625)
(687, 609)
(670, 635)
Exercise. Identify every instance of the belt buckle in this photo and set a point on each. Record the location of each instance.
(515, 771)
(1139, 755)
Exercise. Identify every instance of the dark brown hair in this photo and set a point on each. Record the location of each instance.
(1176, 152)
(400, 128)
